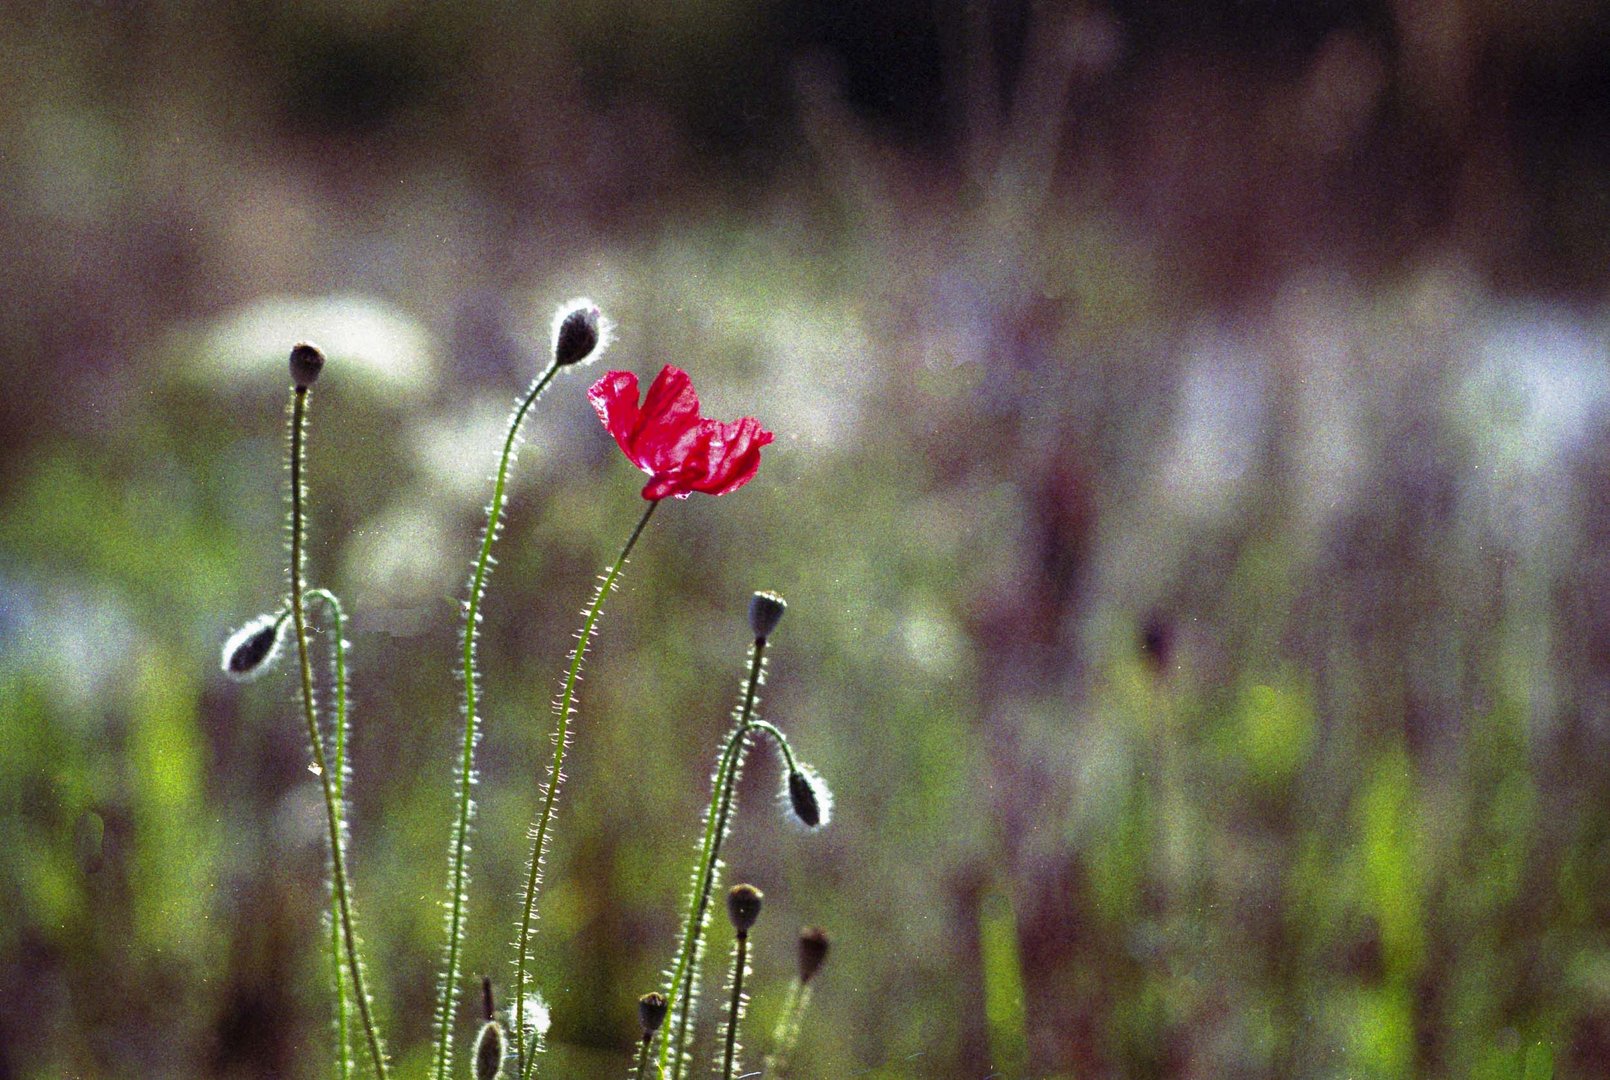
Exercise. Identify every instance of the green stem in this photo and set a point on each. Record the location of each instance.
(736, 1007)
(338, 761)
(715, 829)
(459, 847)
(641, 1072)
(332, 813)
(539, 843)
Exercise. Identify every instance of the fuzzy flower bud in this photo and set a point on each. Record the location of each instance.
(812, 951)
(809, 798)
(651, 1010)
(253, 648)
(489, 1052)
(580, 332)
(743, 907)
(306, 363)
(765, 612)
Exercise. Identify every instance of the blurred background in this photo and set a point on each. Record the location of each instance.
(1191, 491)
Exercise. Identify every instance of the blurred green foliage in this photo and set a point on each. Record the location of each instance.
(1190, 495)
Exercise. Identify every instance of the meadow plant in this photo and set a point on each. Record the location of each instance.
(682, 453)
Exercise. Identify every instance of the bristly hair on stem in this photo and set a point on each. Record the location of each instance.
(743, 908)
(339, 648)
(565, 708)
(684, 973)
(580, 333)
(321, 765)
(464, 770)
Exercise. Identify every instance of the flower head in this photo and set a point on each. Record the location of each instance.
(580, 332)
(666, 438)
(812, 951)
(743, 907)
(253, 648)
(808, 797)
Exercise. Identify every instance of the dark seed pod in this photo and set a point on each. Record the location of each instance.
(809, 798)
(743, 907)
(651, 1010)
(579, 330)
(253, 648)
(306, 363)
(489, 1052)
(765, 612)
(812, 951)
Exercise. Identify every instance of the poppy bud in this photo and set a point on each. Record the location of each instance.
(743, 907)
(812, 951)
(809, 798)
(651, 1010)
(765, 612)
(579, 331)
(489, 1052)
(253, 648)
(306, 363)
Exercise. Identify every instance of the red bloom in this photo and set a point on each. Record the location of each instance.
(666, 438)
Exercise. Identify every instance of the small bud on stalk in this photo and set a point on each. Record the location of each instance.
(580, 332)
(743, 907)
(812, 951)
(306, 363)
(809, 798)
(489, 1052)
(651, 1010)
(765, 612)
(253, 648)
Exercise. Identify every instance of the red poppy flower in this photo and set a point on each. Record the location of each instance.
(666, 438)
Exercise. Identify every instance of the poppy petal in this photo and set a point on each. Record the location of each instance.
(614, 399)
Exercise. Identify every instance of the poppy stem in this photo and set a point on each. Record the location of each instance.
(338, 870)
(684, 974)
(338, 764)
(735, 1010)
(539, 843)
(458, 851)
(641, 1072)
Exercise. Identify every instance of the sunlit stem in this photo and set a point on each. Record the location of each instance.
(459, 849)
(539, 836)
(673, 1044)
(338, 762)
(641, 1072)
(332, 811)
(788, 1028)
(736, 1008)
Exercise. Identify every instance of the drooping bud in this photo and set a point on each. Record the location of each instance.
(651, 1010)
(253, 648)
(765, 612)
(306, 363)
(743, 907)
(812, 951)
(580, 332)
(809, 798)
(489, 1052)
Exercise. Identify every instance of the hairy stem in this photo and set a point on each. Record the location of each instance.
(735, 1010)
(338, 764)
(539, 836)
(459, 847)
(332, 812)
(715, 830)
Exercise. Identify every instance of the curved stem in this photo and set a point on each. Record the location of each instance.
(736, 1006)
(459, 847)
(332, 813)
(716, 818)
(338, 763)
(539, 841)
